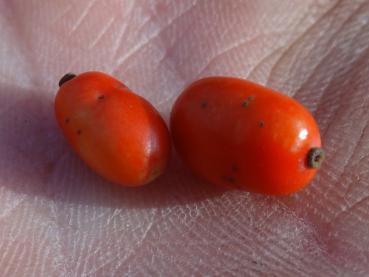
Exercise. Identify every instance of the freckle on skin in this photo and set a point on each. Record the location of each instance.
(79, 132)
(101, 97)
(261, 124)
(204, 104)
(67, 120)
(234, 168)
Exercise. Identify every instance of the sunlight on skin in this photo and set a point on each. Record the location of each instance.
(57, 218)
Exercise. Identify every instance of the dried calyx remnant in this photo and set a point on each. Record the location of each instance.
(66, 78)
(315, 157)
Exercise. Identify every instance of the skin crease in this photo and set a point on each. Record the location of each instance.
(57, 218)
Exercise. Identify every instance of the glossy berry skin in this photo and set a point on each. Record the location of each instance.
(237, 134)
(116, 132)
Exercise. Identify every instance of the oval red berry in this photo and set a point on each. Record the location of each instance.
(238, 134)
(117, 133)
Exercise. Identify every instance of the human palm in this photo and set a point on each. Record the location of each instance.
(58, 218)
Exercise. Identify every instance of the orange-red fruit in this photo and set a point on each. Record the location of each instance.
(117, 133)
(238, 134)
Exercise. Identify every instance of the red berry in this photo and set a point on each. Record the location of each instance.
(238, 134)
(116, 132)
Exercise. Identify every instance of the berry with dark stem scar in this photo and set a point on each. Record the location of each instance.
(117, 133)
(271, 137)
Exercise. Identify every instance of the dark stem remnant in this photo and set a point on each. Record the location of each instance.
(67, 120)
(247, 102)
(315, 157)
(79, 132)
(101, 97)
(261, 124)
(204, 104)
(66, 78)
(229, 179)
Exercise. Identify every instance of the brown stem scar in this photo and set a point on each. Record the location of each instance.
(315, 157)
(66, 78)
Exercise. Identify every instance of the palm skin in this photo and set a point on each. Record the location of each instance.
(58, 218)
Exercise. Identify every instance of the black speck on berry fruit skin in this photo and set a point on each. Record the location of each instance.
(229, 179)
(247, 102)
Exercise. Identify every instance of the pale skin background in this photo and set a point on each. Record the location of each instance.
(57, 218)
